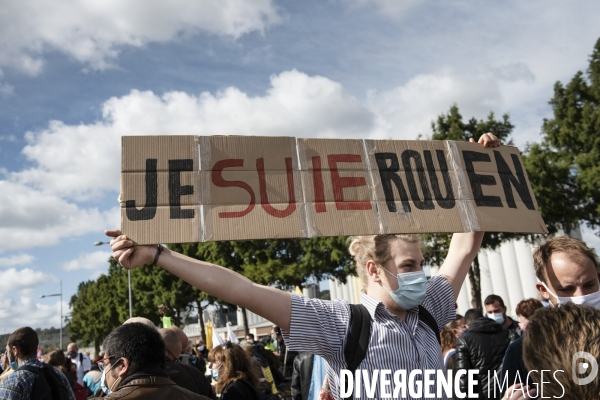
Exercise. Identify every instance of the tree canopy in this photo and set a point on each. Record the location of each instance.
(564, 169)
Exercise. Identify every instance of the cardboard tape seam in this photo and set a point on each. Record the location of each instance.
(466, 208)
(400, 215)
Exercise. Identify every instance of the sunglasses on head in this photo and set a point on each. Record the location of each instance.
(227, 345)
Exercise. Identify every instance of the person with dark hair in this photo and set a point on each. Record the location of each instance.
(496, 310)
(513, 363)
(184, 375)
(234, 373)
(133, 366)
(482, 347)
(21, 350)
(472, 315)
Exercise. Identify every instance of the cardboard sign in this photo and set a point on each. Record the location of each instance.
(178, 189)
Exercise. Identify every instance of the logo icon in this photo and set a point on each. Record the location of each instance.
(578, 366)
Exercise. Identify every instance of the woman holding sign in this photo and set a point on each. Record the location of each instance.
(397, 327)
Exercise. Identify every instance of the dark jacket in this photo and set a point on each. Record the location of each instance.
(513, 364)
(152, 384)
(240, 390)
(302, 376)
(514, 332)
(188, 377)
(482, 347)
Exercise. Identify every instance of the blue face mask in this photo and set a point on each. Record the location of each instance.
(14, 365)
(411, 289)
(105, 389)
(103, 386)
(499, 318)
(215, 374)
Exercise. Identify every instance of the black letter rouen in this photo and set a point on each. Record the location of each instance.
(389, 175)
(507, 178)
(149, 210)
(427, 202)
(176, 190)
(478, 180)
(447, 202)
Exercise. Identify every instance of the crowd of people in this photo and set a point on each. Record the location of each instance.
(140, 360)
(406, 323)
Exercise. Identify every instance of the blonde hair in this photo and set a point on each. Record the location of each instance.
(375, 248)
(552, 337)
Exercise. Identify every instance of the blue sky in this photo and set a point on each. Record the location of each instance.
(75, 76)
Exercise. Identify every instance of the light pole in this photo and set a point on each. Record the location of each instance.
(61, 313)
(128, 282)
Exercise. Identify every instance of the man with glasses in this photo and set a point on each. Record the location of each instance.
(134, 369)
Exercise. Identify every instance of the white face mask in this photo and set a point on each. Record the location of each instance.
(592, 299)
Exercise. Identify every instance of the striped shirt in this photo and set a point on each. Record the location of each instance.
(320, 327)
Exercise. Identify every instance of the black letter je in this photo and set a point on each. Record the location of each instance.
(447, 202)
(149, 211)
(477, 180)
(427, 202)
(507, 178)
(176, 190)
(389, 175)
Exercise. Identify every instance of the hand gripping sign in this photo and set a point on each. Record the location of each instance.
(178, 189)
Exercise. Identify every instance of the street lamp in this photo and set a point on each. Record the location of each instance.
(61, 313)
(128, 281)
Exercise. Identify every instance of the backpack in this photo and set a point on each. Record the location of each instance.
(359, 333)
(47, 385)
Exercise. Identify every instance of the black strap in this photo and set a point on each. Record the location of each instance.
(426, 317)
(357, 342)
(359, 333)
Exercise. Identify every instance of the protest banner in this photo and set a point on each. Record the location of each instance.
(178, 189)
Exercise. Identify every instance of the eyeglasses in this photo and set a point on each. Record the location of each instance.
(100, 363)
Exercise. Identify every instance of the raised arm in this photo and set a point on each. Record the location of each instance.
(464, 246)
(270, 303)
(462, 252)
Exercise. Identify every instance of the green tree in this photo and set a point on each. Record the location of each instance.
(284, 263)
(450, 126)
(564, 169)
(94, 313)
(100, 306)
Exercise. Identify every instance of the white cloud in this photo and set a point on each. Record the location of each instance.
(96, 260)
(26, 312)
(93, 32)
(389, 8)
(13, 279)
(5, 88)
(408, 110)
(83, 161)
(16, 260)
(29, 218)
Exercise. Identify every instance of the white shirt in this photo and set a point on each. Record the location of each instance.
(83, 363)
